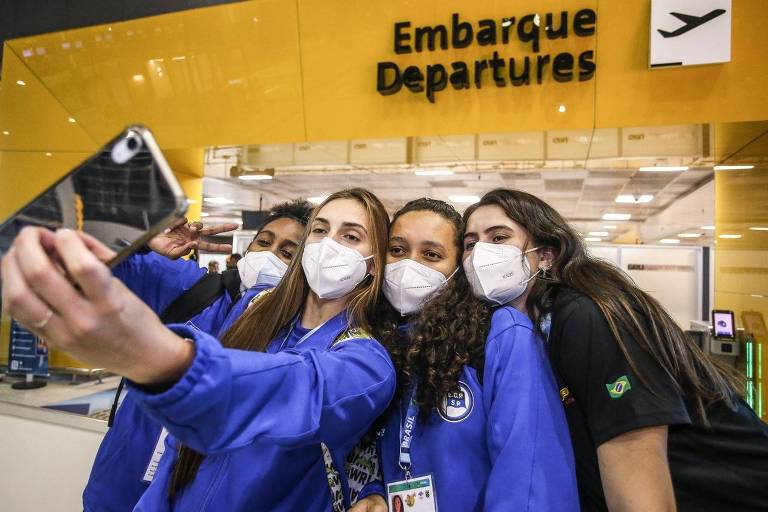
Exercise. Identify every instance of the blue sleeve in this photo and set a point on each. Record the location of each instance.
(157, 280)
(232, 398)
(371, 488)
(532, 466)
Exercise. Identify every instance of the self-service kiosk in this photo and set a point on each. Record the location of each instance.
(718, 338)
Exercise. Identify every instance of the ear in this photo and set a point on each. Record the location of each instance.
(546, 258)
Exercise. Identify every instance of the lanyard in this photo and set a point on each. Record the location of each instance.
(407, 427)
(303, 338)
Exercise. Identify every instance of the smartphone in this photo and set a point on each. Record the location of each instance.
(123, 195)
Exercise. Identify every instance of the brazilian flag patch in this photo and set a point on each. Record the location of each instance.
(620, 386)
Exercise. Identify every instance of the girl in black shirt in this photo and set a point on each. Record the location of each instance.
(655, 423)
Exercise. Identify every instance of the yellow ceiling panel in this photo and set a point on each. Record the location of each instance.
(341, 48)
(223, 75)
(25, 174)
(31, 119)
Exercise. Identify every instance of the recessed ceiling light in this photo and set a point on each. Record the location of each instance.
(21, 82)
(254, 177)
(6, 132)
(707, 228)
(72, 120)
(617, 216)
(138, 78)
(733, 167)
(561, 109)
(664, 168)
(317, 199)
(434, 172)
(758, 228)
(733, 236)
(670, 240)
(626, 198)
(689, 235)
(218, 200)
(598, 233)
(593, 239)
(48, 154)
(757, 296)
(609, 227)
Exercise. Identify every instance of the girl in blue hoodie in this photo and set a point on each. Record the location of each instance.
(261, 420)
(477, 423)
(128, 455)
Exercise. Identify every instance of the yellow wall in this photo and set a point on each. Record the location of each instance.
(741, 202)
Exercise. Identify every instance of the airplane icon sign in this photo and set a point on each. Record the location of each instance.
(691, 22)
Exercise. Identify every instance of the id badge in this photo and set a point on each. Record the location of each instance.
(414, 495)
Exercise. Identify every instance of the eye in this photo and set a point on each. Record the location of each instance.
(434, 256)
(469, 246)
(351, 237)
(396, 250)
(319, 230)
(263, 243)
(497, 239)
(287, 254)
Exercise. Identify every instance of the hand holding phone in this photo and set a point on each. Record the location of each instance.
(75, 304)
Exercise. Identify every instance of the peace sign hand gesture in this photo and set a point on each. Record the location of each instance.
(182, 236)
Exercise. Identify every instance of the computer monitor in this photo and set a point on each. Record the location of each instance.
(723, 324)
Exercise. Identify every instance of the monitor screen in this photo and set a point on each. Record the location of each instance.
(723, 324)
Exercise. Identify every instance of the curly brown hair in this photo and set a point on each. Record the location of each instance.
(447, 334)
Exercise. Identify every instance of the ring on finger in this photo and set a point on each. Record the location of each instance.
(42, 323)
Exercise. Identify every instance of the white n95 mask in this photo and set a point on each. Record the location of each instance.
(260, 268)
(408, 284)
(498, 273)
(333, 270)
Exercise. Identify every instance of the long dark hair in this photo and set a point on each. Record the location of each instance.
(448, 333)
(701, 379)
(262, 322)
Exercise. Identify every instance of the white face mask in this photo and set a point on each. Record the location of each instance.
(498, 273)
(333, 270)
(408, 284)
(260, 268)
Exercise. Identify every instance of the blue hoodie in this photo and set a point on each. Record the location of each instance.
(119, 473)
(504, 445)
(271, 424)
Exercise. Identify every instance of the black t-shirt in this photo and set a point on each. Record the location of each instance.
(722, 467)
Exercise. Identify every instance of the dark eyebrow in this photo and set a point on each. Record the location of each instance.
(288, 241)
(501, 226)
(432, 243)
(320, 219)
(354, 225)
(266, 232)
(397, 239)
(492, 228)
